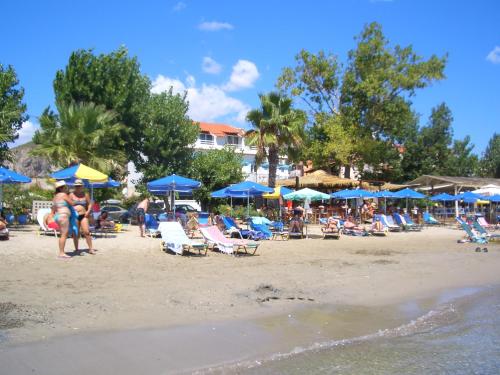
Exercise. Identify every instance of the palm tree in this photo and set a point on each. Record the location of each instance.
(81, 133)
(278, 129)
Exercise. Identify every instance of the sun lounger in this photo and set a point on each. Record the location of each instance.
(401, 221)
(375, 232)
(4, 234)
(472, 237)
(174, 238)
(215, 238)
(258, 225)
(42, 228)
(482, 221)
(151, 225)
(484, 232)
(329, 232)
(429, 219)
(411, 223)
(389, 223)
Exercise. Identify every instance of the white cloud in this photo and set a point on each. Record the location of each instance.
(244, 74)
(207, 102)
(179, 6)
(25, 133)
(215, 26)
(210, 66)
(494, 55)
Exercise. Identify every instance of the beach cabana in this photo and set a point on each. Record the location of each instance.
(319, 180)
(10, 177)
(171, 184)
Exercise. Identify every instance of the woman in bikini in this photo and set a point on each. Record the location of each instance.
(62, 203)
(82, 206)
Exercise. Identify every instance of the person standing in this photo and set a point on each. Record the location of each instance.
(62, 206)
(82, 205)
(142, 208)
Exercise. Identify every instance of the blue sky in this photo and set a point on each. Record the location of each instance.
(226, 52)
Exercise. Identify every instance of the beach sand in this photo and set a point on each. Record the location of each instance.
(132, 285)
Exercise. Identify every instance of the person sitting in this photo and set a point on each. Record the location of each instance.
(350, 227)
(378, 226)
(3, 222)
(296, 223)
(49, 220)
(104, 222)
(332, 224)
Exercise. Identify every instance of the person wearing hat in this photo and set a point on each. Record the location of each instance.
(82, 206)
(62, 204)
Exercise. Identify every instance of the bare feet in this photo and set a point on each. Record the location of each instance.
(92, 251)
(63, 256)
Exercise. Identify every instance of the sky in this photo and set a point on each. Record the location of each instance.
(224, 53)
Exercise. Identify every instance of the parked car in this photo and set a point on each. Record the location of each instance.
(185, 207)
(154, 209)
(116, 213)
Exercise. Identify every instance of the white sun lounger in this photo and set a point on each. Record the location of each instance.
(174, 238)
(40, 217)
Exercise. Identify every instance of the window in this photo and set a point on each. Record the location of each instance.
(233, 140)
(206, 139)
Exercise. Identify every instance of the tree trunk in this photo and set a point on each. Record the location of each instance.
(273, 165)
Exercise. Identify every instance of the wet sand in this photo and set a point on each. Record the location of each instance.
(131, 288)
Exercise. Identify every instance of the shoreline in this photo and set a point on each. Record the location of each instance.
(234, 346)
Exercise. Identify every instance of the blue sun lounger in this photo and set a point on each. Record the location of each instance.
(471, 235)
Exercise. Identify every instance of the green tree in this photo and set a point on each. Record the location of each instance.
(81, 133)
(490, 163)
(113, 80)
(12, 109)
(428, 150)
(371, 96)
(277, 128)
(168, 137)
(215, 169)
(462, 162)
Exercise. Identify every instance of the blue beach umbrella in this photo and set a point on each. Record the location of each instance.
(408, 194)
(443, 197)
(248, 189)
(384, 194)
(494, 198)
(171, 184)
(10, 177)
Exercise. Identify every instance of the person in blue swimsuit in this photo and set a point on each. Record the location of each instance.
(63, 209)
(82, 205)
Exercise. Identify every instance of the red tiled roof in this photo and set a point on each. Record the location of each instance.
(219, 129)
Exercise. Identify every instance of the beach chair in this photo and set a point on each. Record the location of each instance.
(260, 226)
(174, 238)
(429, 219)
(472, 237)
(389, 223)
(484, 232)
(203, 219)
(232, 227)
(42, 228)
(482, 221)
(214, 238)
(400, 220)
(4, 234)
(375, 232)
(331, 232)
(411, 224)
(151, 225)
(278, 230)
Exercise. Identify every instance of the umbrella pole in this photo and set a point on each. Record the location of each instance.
(1, 196)
(248, 204)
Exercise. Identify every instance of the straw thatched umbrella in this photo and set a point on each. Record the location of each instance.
(319, 179)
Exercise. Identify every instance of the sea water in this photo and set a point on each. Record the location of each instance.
(458, 336)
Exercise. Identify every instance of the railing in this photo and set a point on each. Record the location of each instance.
(206, 141)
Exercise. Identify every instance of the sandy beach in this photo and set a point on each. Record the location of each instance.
(131, 284)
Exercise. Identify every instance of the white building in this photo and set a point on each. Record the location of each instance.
(217, 136)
